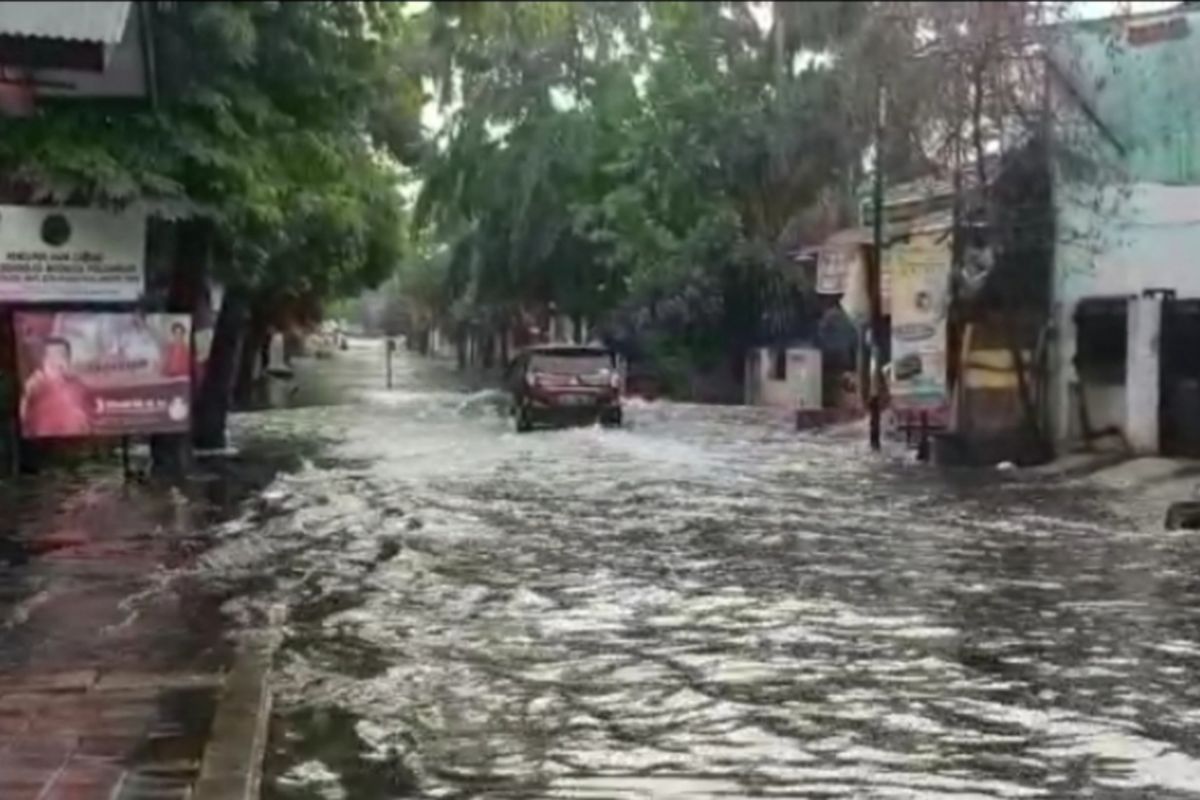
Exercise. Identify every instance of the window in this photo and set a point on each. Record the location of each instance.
(779, 366)
(1101, 339)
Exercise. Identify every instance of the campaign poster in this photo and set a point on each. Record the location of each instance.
(920, 271)
(52, 255)
(103, 374)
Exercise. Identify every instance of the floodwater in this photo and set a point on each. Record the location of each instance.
(703, 604)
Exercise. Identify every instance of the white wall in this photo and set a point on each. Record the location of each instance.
(562, 329)
(1120, 242)
(441, 344)
(1127, 239)
(801, 390)
(1143, 374)
(1105, 406)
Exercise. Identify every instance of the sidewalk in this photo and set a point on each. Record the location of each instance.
(112, 658)
(1139, 489)
(83, 735)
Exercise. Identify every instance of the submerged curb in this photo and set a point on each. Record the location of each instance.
(233, 760)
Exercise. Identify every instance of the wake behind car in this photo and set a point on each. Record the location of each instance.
(565, 384)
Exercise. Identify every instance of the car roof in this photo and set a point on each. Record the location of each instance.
(568, 350)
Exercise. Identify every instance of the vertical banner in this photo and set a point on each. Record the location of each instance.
(920, 272)
(103, 374)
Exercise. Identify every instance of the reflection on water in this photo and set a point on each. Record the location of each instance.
(703, 604)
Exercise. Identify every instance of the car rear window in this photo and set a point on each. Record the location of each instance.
(570, 364)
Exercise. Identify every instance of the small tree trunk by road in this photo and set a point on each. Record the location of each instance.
(216, 393)
(1029, 410)
(488, 343)
(188, 248)
(250, 366)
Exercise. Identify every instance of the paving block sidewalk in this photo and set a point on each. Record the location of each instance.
(111, 736)
(112, 652)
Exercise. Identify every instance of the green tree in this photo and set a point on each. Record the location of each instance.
(667, 158)
(281, 123)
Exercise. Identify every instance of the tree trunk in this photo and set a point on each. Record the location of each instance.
(264, 352)
(489, 351)
(10, 392)
(1029, 410)
(250, 363)
(190, 249)
(216, 393)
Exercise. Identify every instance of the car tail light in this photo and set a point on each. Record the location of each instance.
(614, 380)
(531, 379)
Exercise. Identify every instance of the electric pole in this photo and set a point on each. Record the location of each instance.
(875, 272)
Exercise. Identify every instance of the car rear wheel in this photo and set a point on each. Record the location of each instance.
(611, 418)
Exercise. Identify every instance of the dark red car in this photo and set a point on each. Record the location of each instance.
(565, 384)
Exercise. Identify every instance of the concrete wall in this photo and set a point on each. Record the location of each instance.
(800, 390)
(1123, 241)
(562, 329)
(1142, 88)
(1131, 227)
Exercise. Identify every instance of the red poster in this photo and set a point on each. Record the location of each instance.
(103, 374)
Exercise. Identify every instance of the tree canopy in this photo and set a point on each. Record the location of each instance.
(284, 123)
(658, 164)
(649, 166)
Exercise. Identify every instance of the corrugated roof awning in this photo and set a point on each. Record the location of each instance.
(100, 21)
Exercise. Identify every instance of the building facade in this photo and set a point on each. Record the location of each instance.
(1125, 357)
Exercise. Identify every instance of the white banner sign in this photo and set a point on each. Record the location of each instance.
(920, 303)
(57, 255)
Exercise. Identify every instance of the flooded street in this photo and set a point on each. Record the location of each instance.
(703, 604)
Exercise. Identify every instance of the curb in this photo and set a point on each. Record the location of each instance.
(233, 760)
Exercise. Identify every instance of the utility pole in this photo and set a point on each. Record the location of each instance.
(389, 350)
(875, 272)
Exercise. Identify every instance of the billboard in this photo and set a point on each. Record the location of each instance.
(920, 270)
(103, 374)
(53, 255)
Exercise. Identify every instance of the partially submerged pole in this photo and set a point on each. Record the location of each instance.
(389, 348)
(875, 272)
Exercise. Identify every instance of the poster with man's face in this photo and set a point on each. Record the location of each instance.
(103, 374)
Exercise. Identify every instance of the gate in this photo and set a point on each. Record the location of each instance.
(1179, 399)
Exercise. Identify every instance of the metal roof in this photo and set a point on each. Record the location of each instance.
(98, 21)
